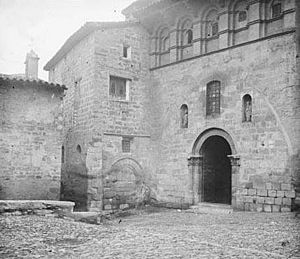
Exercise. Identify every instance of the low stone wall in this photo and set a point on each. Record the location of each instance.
(273, 198)
(38, 207)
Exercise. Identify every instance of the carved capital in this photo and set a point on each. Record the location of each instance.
(234, 160)
(195, 160)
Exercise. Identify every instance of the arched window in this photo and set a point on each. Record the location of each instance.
(247, 108)
(184, 116)
(164, 40)
(213, 92)
(240, 13)
(242, 16)
(276, 8)
(78, 149)
(212, 21)
(189, 36)
(186, 32)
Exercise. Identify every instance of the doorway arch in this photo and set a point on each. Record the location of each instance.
(214, 165)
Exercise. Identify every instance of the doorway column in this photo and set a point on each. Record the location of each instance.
(235, 168)
(196, 178)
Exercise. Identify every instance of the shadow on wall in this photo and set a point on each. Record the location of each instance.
(74, 180)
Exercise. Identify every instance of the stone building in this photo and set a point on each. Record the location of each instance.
(184, 102)
(30, 140)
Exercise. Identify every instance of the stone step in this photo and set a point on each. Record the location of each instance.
(8, 206)
(210, 208)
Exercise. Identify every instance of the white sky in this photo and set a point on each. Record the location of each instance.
(44, 26)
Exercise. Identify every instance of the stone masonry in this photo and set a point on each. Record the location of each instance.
(30, 142)
(120, 152)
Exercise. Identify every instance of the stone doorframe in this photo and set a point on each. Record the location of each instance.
(195, 164)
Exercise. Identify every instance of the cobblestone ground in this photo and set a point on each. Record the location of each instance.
(165, 234)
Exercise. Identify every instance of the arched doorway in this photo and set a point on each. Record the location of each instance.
(214, 167)
(216, 170)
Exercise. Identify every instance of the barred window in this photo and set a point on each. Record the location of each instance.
(213, 98)
(126, 145)
(117, 87)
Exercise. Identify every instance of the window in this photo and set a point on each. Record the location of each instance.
(276, 9)
(62, 154)
(247, 108)
(184, 116)
(165, 44)
(213, 98)
(164, 40)
(214, 28)
(118, 88)
(242, 16)
(126, 51)
(189, 36)
(78, 149)
(126, 145)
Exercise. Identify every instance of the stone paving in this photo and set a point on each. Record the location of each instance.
(163, 234)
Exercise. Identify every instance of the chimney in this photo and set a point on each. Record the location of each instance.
(31, 65)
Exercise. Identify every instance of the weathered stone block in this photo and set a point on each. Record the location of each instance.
(289, 194)
(275, 208)
(124, 206)
(260, 200)
(280, 194)
(248, 199)
(259, 207)
(278, 201)
(287, 201)
(286, 187)
(269, 186)
(272, 193)
(286, 209)
(261, 192)
(269, 200)
(107, 207)
(251, 192)
(267, 208)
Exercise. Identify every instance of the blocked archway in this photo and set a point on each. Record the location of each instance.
(213, 167)
(124, 185)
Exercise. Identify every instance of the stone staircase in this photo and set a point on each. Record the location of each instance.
(210, 208)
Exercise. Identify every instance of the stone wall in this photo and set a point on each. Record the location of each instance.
(265, 146)
(91, 115)
(30, 140)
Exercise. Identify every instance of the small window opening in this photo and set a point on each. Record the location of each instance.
(62, 154)
(213, 90)
(126, 145)
(126, 51)
(242, 16)
(276, 10)
(189, 36)
(184, 116)
(78, 149)
(247, 108)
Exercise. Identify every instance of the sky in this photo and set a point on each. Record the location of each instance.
(44, 26)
